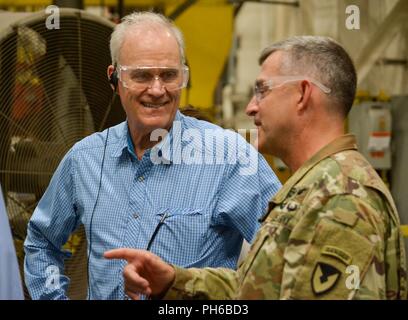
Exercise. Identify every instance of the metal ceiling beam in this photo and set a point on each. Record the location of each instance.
(379, 41)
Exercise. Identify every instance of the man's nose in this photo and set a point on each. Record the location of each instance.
(156, 87)
(252, 107)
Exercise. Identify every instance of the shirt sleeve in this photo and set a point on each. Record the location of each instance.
(247, 188)
(52, 222)
(336, 252)
(203, 284)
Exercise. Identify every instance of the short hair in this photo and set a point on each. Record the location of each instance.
(323, 59)
(143, 18)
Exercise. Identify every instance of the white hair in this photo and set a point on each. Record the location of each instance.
(143, 18)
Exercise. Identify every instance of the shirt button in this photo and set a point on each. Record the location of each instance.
(141, 179)
(135, 215)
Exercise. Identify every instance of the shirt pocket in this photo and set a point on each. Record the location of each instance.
(184, 233)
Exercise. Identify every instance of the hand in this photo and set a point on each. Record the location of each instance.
(145, 272)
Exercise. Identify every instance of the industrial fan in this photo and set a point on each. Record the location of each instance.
(53, 92)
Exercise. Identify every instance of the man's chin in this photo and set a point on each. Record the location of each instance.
(263, 148)
(158, 122)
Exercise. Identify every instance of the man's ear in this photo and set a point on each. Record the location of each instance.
(111, 77)
(305, 90)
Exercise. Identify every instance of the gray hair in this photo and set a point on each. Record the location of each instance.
(143, 18)
(323, 59)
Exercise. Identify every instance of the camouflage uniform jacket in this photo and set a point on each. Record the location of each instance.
(331, 232)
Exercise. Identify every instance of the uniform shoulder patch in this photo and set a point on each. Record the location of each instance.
(337, 253)
(324, 277)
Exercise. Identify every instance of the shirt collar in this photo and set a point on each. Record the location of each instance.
(345, 142)
(163, 147)
(122, 143)
(130, 146)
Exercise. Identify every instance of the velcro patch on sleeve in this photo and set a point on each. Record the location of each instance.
(334, 248)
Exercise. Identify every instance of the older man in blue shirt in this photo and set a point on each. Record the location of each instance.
(185, 189)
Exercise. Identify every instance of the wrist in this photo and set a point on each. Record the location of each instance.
(172, 278)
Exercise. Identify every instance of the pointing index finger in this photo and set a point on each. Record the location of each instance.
(122, 253)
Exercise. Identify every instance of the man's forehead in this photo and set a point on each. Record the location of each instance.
(146, 30)
(273, 62)
(147, 46)
(137, 35)
(270, 67)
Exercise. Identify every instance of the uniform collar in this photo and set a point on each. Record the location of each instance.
(342, 143)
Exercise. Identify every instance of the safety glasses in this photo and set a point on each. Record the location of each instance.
(140, 78)
(262, 88)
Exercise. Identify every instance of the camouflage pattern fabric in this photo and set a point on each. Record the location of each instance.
(331, 232)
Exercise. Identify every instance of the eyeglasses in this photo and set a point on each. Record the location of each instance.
(140, 78)
(260, 89)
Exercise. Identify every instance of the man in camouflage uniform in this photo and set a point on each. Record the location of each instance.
(332, 232)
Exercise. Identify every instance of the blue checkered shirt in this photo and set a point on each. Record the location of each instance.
(208, 207)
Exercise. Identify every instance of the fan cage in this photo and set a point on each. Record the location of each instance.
(53, 92)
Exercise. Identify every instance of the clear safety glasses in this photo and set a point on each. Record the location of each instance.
(261, 88)
(139, 78)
